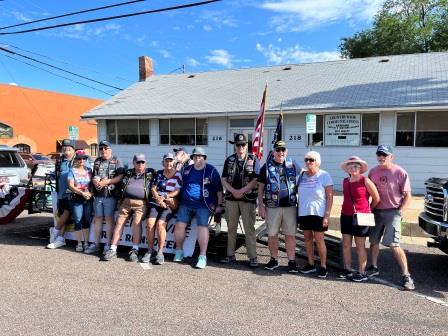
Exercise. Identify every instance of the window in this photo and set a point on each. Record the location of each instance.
(94, 150)
(432, 129)
(405, 129)
(189, 132)
(242, 123)
(370, 129)
(317, 139)
(24, 148)
(128, 132)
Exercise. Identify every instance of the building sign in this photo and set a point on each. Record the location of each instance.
(342, 129)
(5, 131)
(73, 133)
(310, 123)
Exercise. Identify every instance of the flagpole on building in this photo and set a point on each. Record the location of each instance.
(257, 143)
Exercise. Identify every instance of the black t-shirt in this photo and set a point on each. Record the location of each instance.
(237, 182)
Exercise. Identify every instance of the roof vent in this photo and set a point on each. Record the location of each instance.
(288, 67)
(384, 60)
(191, 76)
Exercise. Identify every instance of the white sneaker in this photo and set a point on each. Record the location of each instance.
(53, 233)
(92, 248)
(79, 247)
(59, 242)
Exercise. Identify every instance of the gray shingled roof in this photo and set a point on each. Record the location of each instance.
(403, 81)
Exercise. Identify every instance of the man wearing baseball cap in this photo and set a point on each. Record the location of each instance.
(239, 178)
(108, 171)
(63, 166)
(394, 189)
(135, 197)
(182, 159)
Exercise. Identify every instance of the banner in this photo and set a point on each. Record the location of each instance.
(126, 237)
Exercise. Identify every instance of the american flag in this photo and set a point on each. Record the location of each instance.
(257, 143)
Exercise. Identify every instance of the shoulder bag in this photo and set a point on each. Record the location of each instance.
(360, 218)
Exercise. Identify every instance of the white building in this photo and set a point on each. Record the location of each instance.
(397, 100)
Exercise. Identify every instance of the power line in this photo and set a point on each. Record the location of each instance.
(57, 75)
(73, 13)
(113, 17)
(67, 63)
(58, 68)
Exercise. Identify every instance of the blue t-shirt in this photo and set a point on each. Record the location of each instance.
(64, 169)
(192, 192)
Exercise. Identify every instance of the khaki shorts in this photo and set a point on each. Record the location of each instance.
(281, 217)
(128, 207)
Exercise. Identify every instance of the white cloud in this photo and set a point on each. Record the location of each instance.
(192, 62)
(83, 32)
(220, 57)
(277, 55)
(300, 15)
(164, 53)
(218, 19)
(20, 16)
(207, 28)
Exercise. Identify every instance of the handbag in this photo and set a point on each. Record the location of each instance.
(361, 218)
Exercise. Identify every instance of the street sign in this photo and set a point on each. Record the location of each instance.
(73, 132)
(310, 123)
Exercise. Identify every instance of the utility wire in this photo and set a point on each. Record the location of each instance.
(67, 63)
(73, 13)
(57, 75)
(113, 17)
(58, 68)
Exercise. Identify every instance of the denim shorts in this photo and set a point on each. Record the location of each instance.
(388, 225)
(186, 214)
(104, 206)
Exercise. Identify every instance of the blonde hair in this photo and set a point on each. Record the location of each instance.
(314, 155)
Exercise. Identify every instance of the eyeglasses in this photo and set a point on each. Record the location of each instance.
(353, 165)
(309, 160)
(278, 150)
(139, 162)
(240, 145)
(104, 148)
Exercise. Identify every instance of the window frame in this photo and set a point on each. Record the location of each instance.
(195, 136)
(139, 134)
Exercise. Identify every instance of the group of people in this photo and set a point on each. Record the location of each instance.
(286, 194)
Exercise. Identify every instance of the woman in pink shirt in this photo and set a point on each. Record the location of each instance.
(357, 190)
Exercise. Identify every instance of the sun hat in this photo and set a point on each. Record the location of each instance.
(198, 151)
(355, 159)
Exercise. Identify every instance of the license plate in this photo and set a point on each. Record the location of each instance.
(4, 179)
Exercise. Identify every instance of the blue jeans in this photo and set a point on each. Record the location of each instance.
(105, 206)
(186, 214)
(81, 212)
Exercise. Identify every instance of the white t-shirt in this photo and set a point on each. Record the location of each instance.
(311, 192)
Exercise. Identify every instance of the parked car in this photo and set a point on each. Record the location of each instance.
(53, 156)
(434, 219)
(44, 163)
(13, 170)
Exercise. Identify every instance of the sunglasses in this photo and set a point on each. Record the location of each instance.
(381, 154)
(139, 162)
(309, 160)
(278, 150)
(240, 145)
(82, 159)
(104, 148)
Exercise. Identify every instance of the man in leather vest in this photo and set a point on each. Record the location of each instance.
(239, 178)
(134, 203)
(108, 171)
(277, 184)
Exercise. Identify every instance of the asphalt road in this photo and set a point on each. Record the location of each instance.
(61, 292)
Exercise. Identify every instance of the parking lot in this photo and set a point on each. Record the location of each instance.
(66, 293)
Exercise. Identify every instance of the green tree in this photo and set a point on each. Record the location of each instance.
(401, 27)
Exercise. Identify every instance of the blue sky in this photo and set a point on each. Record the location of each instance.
(222, 35)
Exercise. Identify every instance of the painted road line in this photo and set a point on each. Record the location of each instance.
(146, 266)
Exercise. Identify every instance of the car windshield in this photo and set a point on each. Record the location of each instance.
(40, 157)
(9, 159)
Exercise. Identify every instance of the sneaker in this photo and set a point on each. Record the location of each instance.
(92, 248)
(345, 274)
(133, 256)
(79, 247)
(228, 260)
(308, 269)
(272, 264)
(52, 235)
(322, 273)
(372, 271)
(408, 283)
(106, 248)
(160, 259)
(59, 242)
(253, 262)
(360, 277)
(109, 255)
(178, 256)
(202, 262)
(292, 267)
(146, 258)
